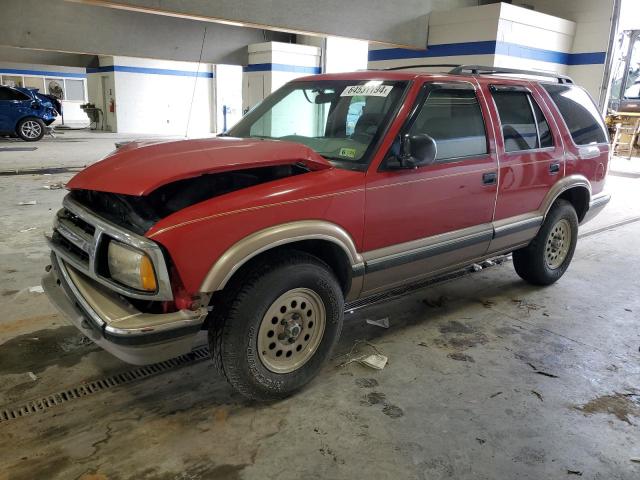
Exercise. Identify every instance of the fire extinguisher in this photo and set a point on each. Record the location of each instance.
(112, 106)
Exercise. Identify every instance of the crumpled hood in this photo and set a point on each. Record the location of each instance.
(138, 168)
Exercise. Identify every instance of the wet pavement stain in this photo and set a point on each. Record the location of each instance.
(35, 351)
(621, 405)
(461, 357)
(392, 411)
(366, 382)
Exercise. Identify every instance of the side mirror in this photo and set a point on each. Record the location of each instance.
(417, 151)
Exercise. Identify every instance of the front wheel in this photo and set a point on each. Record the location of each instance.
(31, 129)
(273, 334)
(549, 254)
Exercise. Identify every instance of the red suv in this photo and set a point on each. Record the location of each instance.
(335, 187)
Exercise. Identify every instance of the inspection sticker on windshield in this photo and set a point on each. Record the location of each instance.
(367, 91)
(348, 152)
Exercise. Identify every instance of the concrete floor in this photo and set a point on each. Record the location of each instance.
(488, 377)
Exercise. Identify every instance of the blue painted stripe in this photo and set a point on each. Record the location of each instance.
(44, 73)
(280, 67)
(149, 71)
(490, 48)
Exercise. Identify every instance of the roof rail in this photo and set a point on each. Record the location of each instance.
(482, 70)
(434, 65)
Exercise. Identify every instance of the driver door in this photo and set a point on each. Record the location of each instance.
(424, 220)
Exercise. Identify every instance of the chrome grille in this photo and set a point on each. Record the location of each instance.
(79, 236)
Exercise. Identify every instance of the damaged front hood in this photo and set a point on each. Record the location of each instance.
(138, 168)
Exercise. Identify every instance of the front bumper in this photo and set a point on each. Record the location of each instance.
(116, 325)
(596, 205)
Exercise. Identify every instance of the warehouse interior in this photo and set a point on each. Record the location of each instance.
(485, 376)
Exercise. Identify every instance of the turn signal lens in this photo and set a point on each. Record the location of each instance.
(147, 275)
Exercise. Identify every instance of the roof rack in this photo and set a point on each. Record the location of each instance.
(482, 70)
(434, 65)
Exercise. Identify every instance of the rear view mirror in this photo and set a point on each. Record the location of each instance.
(324, 98)
(417, 150)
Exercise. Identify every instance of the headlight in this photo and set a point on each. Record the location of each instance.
(131, 267)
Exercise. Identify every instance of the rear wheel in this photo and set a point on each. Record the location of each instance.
(548, 256)
(272, 335)
(30, 129)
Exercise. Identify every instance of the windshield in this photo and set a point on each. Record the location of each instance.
(340, 120)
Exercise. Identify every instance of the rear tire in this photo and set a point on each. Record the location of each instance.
(31, 129)
(273, 330)
(549, 254)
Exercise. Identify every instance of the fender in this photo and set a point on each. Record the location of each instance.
(247, 248)
(561, 186)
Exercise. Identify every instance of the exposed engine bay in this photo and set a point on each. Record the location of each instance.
(139, 213)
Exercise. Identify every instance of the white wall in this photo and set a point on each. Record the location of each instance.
(155, 96)
(228, 90)
(567, 36)
(272, 64)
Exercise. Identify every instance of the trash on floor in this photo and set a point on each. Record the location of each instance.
(27, 229)
(476, 268)
(54, 186)
(32, 376)
(30, 202)
(382, 322)
(375, 361)
(358, 354)
(36, 289)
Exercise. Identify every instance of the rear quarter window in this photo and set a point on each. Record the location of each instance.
(579, 112)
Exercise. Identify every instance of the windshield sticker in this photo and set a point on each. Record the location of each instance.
(348, 152)
(367, 91)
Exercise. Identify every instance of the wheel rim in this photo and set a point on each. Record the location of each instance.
(558, 243)
(31, 129)
(291, 330)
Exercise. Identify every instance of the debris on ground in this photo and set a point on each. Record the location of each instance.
(541, 372)
(628, 310)
(495, 395)
(54, 186)
(382, 322)
(635, 460)
(574, 472)
(32, 376)
(36, 289)
(437, 303)
(376, 360)
(537, 394)
(487, 303)
(475, 267)
(423, 344)
(481, 441)
(524, 305)
(27, 229)
(488, 263)
(30, 202)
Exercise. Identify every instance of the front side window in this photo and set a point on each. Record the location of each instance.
(523, 124)
(579, 112)
(339, 119)
(11, 94)
(454, 120)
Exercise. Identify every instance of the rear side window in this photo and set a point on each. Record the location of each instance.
(454, 120)
(579, 113)
(523, 124)
(11, 94)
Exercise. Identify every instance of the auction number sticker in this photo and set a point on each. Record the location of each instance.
(367, 90)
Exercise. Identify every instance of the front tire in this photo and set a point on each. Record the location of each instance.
(272, 335)
(31, 129)
(549, 254)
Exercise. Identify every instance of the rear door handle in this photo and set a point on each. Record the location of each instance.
(554, 168)
(490, 178)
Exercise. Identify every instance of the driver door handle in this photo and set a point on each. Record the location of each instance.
(490, 178)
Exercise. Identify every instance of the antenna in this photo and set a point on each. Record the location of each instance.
(195, 82)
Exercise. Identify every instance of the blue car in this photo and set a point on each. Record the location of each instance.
(26, 113)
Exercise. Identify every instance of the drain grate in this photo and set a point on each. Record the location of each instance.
(102, 384)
